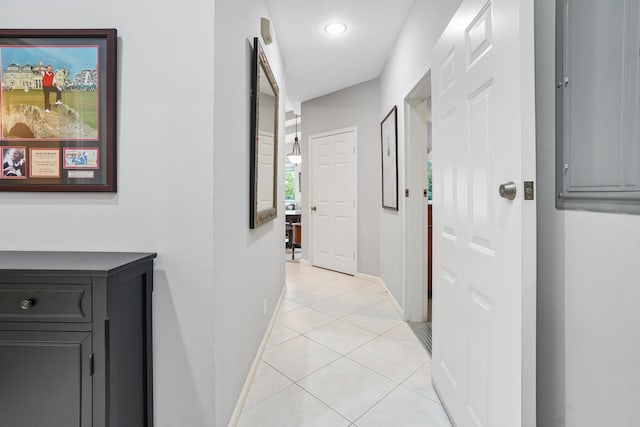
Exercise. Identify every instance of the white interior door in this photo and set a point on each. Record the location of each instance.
(484, 244)
(333, 200)
(266, 163)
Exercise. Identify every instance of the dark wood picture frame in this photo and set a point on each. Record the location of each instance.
(389, 153)
(263, 180)
(63, 109)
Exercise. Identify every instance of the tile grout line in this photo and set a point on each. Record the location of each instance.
(386, 298)
(376, 403)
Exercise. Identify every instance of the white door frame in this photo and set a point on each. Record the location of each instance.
(310, 198)
(415, 213)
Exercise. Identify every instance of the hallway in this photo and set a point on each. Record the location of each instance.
(340, 355)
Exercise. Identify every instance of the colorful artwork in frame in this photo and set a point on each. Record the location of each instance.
(58, 106)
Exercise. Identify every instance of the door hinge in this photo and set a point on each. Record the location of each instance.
(406, 192)
(425, 193)
(528, 190)
(91, 368)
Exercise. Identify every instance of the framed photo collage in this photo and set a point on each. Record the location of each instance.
(57, 110)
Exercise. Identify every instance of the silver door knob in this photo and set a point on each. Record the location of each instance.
(508, 191)
(26, 304)
(313, 208)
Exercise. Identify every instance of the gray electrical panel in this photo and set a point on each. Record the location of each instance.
(598, 105)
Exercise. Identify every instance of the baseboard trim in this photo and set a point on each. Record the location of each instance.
(379, 280)
(369, 278)
(235, 417)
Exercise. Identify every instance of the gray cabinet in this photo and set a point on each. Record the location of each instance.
(44, 380)
(75, 339)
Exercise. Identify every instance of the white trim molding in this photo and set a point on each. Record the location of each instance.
(378, 280)
(235, 417)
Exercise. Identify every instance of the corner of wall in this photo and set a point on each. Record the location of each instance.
(380, 282)
(551, 371)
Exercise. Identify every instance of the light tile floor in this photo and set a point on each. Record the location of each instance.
(340, 355)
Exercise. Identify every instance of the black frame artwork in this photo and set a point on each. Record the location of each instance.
(389, 153)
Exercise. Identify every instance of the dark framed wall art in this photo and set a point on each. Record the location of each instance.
(265, 104)
(389, 146)
(58, 110)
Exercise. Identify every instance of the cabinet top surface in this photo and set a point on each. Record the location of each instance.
(70, 262)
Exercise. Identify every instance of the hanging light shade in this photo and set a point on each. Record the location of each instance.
(295, 156)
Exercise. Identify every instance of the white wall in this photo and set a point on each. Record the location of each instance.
(157, 209)
(160, 206)
(408, 62)
(248, 264)
(588, 269)
(602, 318)
(354, 106)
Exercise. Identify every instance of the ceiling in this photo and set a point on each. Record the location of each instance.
(317, 63)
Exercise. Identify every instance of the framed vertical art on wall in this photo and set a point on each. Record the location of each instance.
(58, 110)
(389, 147)
(263, 164)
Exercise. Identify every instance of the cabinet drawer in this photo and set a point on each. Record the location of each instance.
(45, 303)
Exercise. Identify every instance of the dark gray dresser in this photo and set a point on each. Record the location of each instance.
(75, 339)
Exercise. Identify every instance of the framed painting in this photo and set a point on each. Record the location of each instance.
(389, 146)
(263, 179)
(58, 110)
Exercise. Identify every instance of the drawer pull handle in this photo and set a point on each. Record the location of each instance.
(26, 304)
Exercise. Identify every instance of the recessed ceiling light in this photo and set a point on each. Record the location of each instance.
(336, 28)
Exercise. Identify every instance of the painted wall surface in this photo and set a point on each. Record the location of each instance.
(354, 106)
(408, 62)
(588, 339)
(165, 184)
(550, 358)
(248, 264)
(601, 326)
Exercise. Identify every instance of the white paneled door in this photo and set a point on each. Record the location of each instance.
(333, 200)
(484, 243)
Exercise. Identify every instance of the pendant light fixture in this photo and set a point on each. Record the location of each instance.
(295, 156)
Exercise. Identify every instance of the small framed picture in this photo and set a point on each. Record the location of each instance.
(81, 158)
(14, 163)
(58, 104)
(389, 145)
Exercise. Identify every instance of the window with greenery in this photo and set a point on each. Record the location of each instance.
(429, 180)
(289, 182)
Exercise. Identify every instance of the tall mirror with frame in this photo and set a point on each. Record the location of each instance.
(264, 140)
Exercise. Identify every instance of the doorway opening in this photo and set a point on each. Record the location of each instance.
(418, 214)
(292, 191)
